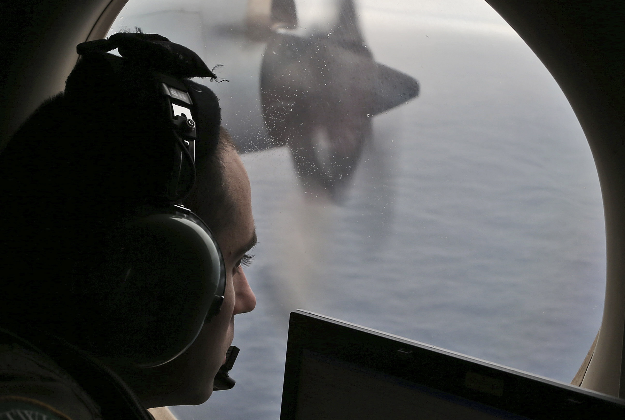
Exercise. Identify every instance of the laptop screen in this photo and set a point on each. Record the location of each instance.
(332, 389)
(341, 371)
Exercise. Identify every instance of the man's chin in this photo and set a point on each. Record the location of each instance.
(206, 395)
(202, 396)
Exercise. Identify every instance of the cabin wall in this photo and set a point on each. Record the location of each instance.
(583, 46)
(38, 47)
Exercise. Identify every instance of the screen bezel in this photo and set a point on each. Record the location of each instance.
(502, 388)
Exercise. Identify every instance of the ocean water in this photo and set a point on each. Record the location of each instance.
(473, 221)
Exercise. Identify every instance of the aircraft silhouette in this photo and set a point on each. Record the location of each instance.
(319, 92)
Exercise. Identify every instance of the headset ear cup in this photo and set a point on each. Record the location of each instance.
(163, 274)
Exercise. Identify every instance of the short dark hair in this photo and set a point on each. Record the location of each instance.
(210, 196)
(72, 171)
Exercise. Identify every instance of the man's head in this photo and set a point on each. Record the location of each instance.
(74, 172)
(188, 379)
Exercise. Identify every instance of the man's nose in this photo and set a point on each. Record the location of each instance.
(245, 299)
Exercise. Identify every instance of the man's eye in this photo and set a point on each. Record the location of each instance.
(245, 261)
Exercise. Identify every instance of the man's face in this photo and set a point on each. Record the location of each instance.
(209, 349)
(188, 379)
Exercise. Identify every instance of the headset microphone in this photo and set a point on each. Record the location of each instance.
(222, 380)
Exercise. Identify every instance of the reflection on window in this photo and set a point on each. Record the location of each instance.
(414, 168)
(319, 93)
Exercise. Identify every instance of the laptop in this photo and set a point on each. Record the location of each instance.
(336, 370)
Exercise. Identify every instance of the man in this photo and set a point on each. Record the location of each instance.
(80, 324)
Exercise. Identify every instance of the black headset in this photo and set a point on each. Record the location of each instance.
(164, 274)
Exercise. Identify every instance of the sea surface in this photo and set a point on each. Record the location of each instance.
(473, 221)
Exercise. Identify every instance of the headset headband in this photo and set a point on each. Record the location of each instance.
(194, 112)
(151, 51)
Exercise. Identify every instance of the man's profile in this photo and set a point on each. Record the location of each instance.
(125, 222)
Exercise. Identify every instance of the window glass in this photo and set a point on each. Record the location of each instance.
(463, 211)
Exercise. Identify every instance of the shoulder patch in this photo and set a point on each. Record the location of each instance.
(21, 408)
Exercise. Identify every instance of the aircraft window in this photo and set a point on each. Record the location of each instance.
(463, 211)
